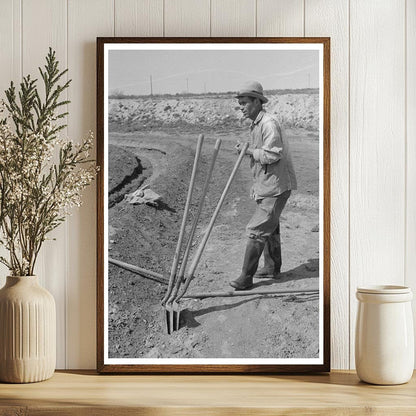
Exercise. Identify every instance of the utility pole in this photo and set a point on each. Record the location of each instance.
(309, 79)
(151, 86)
(187, 85)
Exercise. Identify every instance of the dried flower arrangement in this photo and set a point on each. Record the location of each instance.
(41, 174)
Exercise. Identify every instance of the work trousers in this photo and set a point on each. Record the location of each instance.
(265, 221)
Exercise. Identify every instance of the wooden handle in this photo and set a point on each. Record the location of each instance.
(143, 272)
(233, 293)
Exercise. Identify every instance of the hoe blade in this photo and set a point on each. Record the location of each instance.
(170, 318)
(166, 312)
(172, 315)
(177, 315)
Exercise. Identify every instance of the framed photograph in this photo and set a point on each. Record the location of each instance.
(213, 198)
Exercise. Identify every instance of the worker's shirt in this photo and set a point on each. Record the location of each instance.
(271, 162)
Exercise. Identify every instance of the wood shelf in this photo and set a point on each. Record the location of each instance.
(87, 393)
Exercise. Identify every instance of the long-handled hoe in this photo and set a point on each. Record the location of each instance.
(171, 299)
(173, 272)
(172, 307)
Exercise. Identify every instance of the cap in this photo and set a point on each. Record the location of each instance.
(252, 89)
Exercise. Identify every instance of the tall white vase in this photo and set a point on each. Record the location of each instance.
(384, 344)
(27, 331)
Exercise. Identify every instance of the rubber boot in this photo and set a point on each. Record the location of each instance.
(272, 258)
(252, 255)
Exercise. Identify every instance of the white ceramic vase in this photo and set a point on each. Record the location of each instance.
(27, 331)
(384, 343)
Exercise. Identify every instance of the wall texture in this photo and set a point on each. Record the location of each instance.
(373, 132)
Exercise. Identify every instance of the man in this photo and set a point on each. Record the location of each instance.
(274, 179)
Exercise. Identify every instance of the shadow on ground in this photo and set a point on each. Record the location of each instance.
(304, 271)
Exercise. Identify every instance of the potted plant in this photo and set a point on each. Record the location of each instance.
(42, 176)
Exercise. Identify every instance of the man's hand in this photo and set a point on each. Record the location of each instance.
(239, 147)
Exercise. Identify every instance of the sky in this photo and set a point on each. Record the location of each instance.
(198, 71)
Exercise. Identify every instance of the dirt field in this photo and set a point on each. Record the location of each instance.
(266, 326)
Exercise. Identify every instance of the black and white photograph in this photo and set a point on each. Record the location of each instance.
(212, 188)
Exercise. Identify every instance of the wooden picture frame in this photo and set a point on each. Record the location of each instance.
(155, 97)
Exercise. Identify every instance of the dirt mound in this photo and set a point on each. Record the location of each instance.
(219, 112)
(154, 246)
(121, 167)
(126, 173)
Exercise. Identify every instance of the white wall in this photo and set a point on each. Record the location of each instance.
(373, 132)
